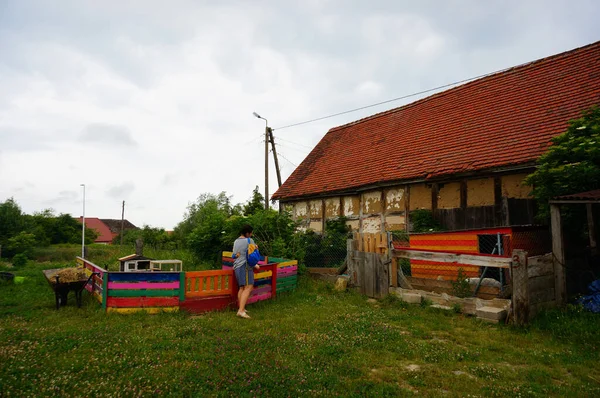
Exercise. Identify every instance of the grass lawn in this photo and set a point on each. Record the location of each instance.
(308, 343)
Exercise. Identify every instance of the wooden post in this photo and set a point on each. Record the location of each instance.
(274, 280)
(104, 289)
(558, 251)
(520, 281)
(407, 208)
(394, 278)
(181, 286)
(591, 227)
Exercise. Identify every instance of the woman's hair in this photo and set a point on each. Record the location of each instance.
(246, 229)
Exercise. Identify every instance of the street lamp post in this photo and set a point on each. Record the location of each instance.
(83, 225)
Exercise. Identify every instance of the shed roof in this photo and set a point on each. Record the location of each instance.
(503, 120)
(588, 197)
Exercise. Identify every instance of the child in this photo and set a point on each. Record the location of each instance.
(244, 274)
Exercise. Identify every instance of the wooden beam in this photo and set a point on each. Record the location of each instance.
(574, 201)
(591, 227)
(558, 252)
(407, 208)
(520, 285)
(465, 259)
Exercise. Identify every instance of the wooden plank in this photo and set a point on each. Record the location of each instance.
(149, 310)
(104, 289)
(541, 283)
(287, 270)
(540, 266)
(207, 293)
(591, 227)
(192, 274)
(369, 276)
(136, 302)
(288, 263)
(382, 286)
(262, 297)
(227, 254)
(182, 286)
(143, 293)
(261, 275)
(520, 279)
(466, 259)
(394, 270)
(143, 276)
(261, 290)
(560, 286)
(540, 296)
(143, 285)
(199, 306)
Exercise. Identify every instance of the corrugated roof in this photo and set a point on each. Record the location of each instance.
(501, 120)
(589, 195)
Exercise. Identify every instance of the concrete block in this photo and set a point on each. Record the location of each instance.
(411, 298)
(491, 313)
(442, 307)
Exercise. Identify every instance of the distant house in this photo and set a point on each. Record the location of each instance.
(107, 229)
(462, 154)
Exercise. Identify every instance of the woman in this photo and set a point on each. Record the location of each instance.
(244, 273)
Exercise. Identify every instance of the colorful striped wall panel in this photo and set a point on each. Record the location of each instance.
(149, 291)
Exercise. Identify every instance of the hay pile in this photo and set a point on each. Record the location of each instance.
(67, 275)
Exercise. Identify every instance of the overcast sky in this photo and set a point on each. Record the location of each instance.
(151, 101)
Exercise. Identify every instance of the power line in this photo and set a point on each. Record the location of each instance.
(295, 143)
(289, 161)
(300, 150)
(398, 98)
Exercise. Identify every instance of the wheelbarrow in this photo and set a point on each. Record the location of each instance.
(62, 289)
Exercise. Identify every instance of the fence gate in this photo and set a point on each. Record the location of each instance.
(369, 264)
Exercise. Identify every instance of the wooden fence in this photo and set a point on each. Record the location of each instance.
(532, 281)
(195, 292)
(534, 285)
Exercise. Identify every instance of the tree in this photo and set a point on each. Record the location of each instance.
(256, 203)
(12, 220)
(571, 164)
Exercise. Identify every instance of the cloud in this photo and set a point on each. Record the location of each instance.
(121, 191)
(64, 197)
(94, 90)
(107, 134)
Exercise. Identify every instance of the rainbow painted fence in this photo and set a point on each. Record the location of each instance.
(195, 291)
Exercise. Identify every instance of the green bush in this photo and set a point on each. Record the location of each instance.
(461, 287)
(20, 260)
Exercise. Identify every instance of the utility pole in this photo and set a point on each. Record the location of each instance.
(267, 130)
(266, 167)
(122, 221)
(272, 139)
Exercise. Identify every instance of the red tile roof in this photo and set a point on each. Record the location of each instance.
(501, 120)
(104, 234)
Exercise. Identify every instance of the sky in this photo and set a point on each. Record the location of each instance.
(151, 101)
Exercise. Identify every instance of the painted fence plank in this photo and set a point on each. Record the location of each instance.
(287, 279)
(143, 276)
(262, 297)
(287, 263)
(149, 310)
(262, 290)
(143, 285)
(182, 286)
(143, 293)
(135, 302)
(262, 282)
(285, 289)
(104, 289)
(262, 275)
